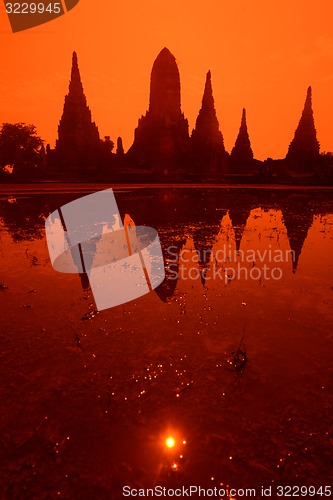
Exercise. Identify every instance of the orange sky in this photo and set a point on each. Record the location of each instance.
(262, 55)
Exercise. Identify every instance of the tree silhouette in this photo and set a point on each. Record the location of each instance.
(20, 149)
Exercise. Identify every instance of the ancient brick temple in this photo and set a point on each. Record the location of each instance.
(163, 150)
(242, 155)
(161, 140)
(78, 146)
(208, 152)
(303, 153)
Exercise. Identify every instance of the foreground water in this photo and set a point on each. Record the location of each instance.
(231, 356)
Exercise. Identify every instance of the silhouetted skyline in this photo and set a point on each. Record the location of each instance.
(163, 148)
(252, 65)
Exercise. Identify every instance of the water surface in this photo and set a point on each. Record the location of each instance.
(90, 398)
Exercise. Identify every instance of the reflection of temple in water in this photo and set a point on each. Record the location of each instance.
(298, 219)
(208, 218)
(238, 217)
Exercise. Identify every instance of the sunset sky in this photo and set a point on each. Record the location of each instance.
(263, 55)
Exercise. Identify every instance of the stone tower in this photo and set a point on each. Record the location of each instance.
(242, 154)
(304, 149)
(78, 145)
(207, 140)
(161, 140)
(164, 100)
(120, 147)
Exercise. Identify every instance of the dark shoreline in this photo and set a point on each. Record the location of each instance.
(38, 188)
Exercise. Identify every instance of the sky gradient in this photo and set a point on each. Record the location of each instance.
(262, 57)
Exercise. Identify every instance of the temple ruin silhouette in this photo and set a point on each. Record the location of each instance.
(208, 151)
(242, 155)
(163, 150)
(304, 149)
(78, 145)
(161, 139)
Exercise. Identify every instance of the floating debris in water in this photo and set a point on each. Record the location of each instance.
(237, 359)
(3, 286)
(184, 386)
(27, 306)
(89, 315)
(32, 258)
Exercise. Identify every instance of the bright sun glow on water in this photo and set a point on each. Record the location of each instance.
(170, 442)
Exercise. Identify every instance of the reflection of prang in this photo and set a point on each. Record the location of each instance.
(171, 251)
(298, 220)
(196, 214)
(204, 238)
(238, 217)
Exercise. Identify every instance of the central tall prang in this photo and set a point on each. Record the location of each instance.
(161, 141)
